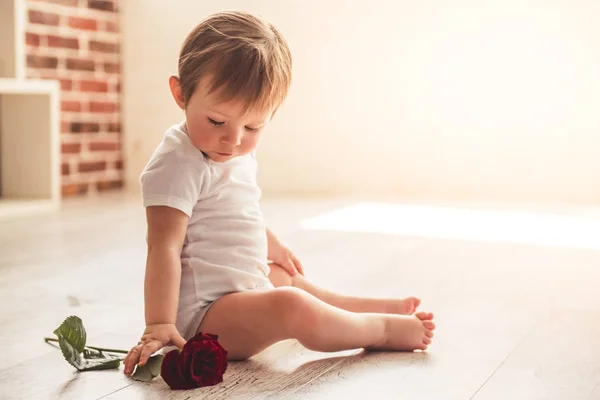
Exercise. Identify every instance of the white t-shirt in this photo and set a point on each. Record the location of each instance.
(225, 248)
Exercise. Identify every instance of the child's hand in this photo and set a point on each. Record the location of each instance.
(281, 255)
(155, 337)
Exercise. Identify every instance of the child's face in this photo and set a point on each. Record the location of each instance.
(220, 130)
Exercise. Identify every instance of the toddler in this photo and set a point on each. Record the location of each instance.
(212, 264)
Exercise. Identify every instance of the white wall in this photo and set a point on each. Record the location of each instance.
(465, 99)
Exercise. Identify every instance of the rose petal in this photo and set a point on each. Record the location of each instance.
(172, 374)
(186, 356)
(205, 371)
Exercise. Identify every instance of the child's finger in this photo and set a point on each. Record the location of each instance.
(290, 267)
(149, 349)
(298, 265)
(179, 341)
(131, 359)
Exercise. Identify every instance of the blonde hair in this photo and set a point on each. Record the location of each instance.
(245, 56)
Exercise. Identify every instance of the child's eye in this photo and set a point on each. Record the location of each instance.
(251, 129)
(215, 123)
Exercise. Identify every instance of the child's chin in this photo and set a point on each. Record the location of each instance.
(220, 158)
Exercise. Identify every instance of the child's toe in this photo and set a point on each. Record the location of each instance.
(416, 302)
(429, 325)
(424, 316)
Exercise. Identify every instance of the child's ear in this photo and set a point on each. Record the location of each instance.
(176, 91)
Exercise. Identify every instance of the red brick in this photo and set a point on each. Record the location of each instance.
(72, 3)
(83, 23)
(66, 84)
(112, 26)
(112, 68)
(108, 185)
(70, 106)
(74, 189)
(32, 39)
(85, 127)
(65, 127)
(92, 166)
(59, 41)
(38, 17)
(80, 65)
(65, 169)
(103, 107)
(103, 5)
(104, 146)
(71, 148)
(103, 47)
(41, 61)
(114, 127)
(93, 86)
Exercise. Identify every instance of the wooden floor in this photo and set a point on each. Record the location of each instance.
(517, 319)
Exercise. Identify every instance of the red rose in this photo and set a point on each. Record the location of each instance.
(202, 362)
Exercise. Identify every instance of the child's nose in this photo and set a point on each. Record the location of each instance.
(232, 138)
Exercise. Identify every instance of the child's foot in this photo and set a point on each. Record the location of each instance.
(406, 306)
(407, 333)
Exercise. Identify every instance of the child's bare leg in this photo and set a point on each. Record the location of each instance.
(248, 322)
(280, 277)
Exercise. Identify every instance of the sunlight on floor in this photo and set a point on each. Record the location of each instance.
(461, 223)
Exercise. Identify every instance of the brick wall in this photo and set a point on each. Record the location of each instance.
(78, 43)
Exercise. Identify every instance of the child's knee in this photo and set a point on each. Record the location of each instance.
(288, 298)
(279, 276)
(295, 307)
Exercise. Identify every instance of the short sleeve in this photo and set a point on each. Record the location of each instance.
(169, 181)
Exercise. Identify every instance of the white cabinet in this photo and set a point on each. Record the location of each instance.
(29, 125)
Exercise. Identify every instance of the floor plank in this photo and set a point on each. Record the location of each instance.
(559, 359)
(466, 351)
(50, 377)
(275, 373)
(497, 305)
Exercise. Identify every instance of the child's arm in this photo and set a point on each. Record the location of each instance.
(166, 233)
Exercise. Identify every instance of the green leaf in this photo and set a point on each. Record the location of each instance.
(71, 339)
(73, 332)
(151, 370)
